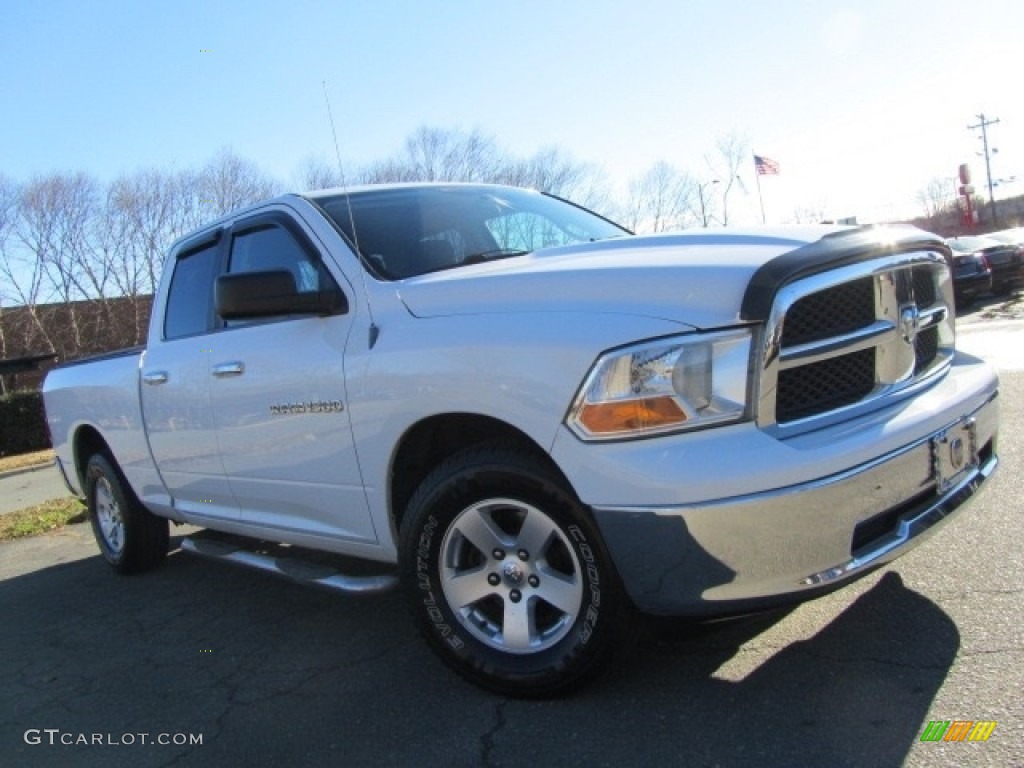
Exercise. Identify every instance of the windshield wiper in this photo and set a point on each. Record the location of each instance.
(494, 253)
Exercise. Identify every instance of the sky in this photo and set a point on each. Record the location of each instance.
(861, 103)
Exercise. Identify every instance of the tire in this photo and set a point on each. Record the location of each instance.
(507, 576)
(130, 537)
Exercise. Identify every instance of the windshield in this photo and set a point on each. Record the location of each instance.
(408, 231)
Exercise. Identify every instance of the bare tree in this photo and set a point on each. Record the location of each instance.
(555, 172)
(385, 171)
(8, 203)
(8, 209)
(439, 154)
(67, 240)
(24, 279)
(229, 182)
(141, 215)
(732, 152)
(812, 213)
(937, 197)
(548, 170)
(945, 210)
(193, 208)
(146, 211)
(317, 173)
(54, 220)
(660, 199)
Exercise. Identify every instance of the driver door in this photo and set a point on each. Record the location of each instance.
(277, 389)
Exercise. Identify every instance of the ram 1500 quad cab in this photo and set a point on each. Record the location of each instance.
(540, 423)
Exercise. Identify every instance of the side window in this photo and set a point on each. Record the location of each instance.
(274, 247)
(190, 297)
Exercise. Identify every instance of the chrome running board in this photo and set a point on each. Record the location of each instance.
(304, 572)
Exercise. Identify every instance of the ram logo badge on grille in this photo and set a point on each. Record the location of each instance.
(910, 321)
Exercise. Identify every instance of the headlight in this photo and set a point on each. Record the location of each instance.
(665, 386)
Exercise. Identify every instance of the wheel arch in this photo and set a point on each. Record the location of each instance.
(431, 440)
(87, 442)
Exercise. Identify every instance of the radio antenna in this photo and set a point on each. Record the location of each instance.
(374, 329)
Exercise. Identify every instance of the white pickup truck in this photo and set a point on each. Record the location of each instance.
(535, 422)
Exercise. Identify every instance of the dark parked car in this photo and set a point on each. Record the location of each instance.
(1005, 257)
(1014, 268)
(972, 274)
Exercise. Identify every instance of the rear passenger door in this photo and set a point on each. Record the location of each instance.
(278, 395)
(175, 387)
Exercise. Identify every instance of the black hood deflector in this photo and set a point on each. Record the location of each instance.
(838, 249)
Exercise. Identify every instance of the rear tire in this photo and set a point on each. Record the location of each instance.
(130, 537)
(507, 576)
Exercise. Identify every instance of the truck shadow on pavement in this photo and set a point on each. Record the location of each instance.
(272, 673)
(853, 693)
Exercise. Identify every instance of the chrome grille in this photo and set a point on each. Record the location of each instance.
(924, 287)
(830, 312)
(853, 339)
(926, 347)
(822, 386)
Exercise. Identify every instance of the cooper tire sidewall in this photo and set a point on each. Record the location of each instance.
(445, 631)
(100, 468)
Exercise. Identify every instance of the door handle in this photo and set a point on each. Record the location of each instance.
(155, 377)
(224, 370)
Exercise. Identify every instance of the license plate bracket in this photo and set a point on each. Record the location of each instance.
(954, 453)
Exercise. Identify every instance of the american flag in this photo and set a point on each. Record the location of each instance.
(765, 167)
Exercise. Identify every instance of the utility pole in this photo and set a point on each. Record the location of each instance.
(983, 124)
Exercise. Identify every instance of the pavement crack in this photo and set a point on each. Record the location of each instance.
(487, 739)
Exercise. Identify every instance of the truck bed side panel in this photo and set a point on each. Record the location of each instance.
(101, 394)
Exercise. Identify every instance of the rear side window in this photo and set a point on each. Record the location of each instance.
(190, 298)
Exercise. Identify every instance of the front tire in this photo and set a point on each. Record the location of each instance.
(130, 537)
(507, 576)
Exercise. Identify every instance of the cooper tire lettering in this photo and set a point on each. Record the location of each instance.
(520, 622)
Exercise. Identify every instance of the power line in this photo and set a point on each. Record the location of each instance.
(983, 124)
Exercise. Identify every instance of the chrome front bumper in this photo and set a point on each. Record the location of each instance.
(746, 552)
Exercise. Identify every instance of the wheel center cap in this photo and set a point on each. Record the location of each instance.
(513, 572)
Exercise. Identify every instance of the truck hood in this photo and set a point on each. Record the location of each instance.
(694, 279)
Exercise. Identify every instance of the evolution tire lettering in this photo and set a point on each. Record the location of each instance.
(434, 613)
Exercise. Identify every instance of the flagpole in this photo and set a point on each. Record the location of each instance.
(760, 199)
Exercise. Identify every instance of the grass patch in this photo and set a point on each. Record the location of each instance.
(48, 516)
(25, 460)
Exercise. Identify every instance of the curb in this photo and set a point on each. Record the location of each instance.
(26, 470)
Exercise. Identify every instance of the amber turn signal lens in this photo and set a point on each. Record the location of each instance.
(631, 415)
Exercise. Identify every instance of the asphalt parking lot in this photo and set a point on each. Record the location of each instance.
(265, 672)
